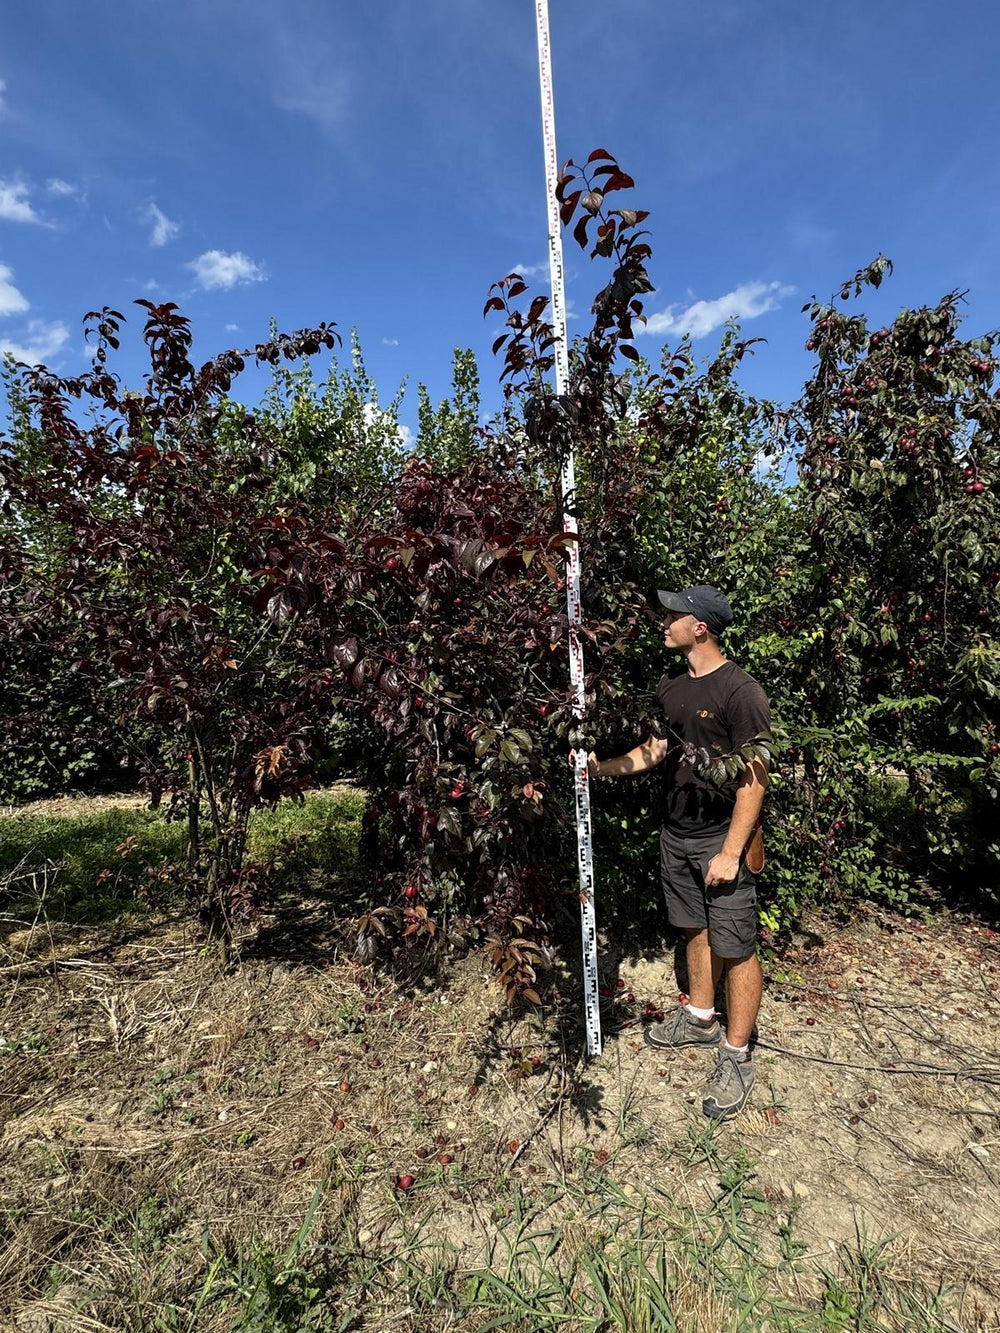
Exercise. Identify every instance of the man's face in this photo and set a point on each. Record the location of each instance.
(680, 630)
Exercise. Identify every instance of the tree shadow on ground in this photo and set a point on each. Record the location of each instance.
(309, 922)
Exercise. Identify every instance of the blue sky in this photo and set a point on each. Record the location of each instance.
(380, 164)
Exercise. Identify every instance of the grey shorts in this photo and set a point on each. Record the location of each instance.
(728, 910)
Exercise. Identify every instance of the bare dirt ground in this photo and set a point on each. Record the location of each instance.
(138, 1083)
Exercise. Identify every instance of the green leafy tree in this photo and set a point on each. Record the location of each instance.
(337, 439)
(448, 435)
(894, 600)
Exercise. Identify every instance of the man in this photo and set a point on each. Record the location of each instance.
(710, 891)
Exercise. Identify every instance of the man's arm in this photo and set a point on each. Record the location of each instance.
(651, 752)
(725, 866)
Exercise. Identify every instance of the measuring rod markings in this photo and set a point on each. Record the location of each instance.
(584, 840)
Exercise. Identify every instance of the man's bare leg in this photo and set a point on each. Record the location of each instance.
(744, 986)
(704, 970)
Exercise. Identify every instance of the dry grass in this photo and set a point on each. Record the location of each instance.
(166, 1129)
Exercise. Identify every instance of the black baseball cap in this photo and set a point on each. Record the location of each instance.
(703, 602)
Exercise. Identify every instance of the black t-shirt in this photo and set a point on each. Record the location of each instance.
(720, 712)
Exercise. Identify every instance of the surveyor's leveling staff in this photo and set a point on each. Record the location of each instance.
(584, 842)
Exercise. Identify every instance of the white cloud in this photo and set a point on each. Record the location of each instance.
(11, 300)
(216, 269)
(315, 100)
(807, 234)
(60, 187)
(42, 342)
(532, 270)
(747, 301)
(405, 436)
(312, 77)
(390, 342)
(164, 229)
(232, 328)
(14, 203)
(39, 341)
(152, 286)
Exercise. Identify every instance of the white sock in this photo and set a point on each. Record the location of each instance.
(740, 1050)
(703, 1014)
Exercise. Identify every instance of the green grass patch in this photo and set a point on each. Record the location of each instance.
(92, 867)
(321, 834)
(614, 1265)
(87, 867)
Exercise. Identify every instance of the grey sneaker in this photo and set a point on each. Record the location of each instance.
(683, 1030)
(729, 1087)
